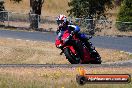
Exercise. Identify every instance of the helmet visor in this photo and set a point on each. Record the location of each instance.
(60, 22)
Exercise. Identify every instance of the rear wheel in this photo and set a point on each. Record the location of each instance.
(71, 57)
(96, 56)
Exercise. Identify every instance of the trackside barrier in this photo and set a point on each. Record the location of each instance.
(22, 20)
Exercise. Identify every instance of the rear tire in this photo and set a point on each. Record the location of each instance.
(96, 56)
(71, 57)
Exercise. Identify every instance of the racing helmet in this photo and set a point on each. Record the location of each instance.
(61, 19)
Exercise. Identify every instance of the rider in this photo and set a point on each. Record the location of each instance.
(64, 25)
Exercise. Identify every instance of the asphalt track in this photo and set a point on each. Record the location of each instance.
(119, 43)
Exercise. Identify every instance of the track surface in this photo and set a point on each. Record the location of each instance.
(119, 43)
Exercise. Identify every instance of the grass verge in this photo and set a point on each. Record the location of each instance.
(54, 77)
(14, 51)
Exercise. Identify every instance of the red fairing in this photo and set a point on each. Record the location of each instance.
(65, 35)
(57, 42)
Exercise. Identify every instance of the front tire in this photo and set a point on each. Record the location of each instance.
(71, 57)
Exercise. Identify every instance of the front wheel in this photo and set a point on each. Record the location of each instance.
(71, 57)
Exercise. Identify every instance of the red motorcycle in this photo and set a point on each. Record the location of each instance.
(90, 55)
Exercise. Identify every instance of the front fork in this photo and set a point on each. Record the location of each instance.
(61, 52)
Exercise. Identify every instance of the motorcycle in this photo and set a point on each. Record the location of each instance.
(90, 55)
